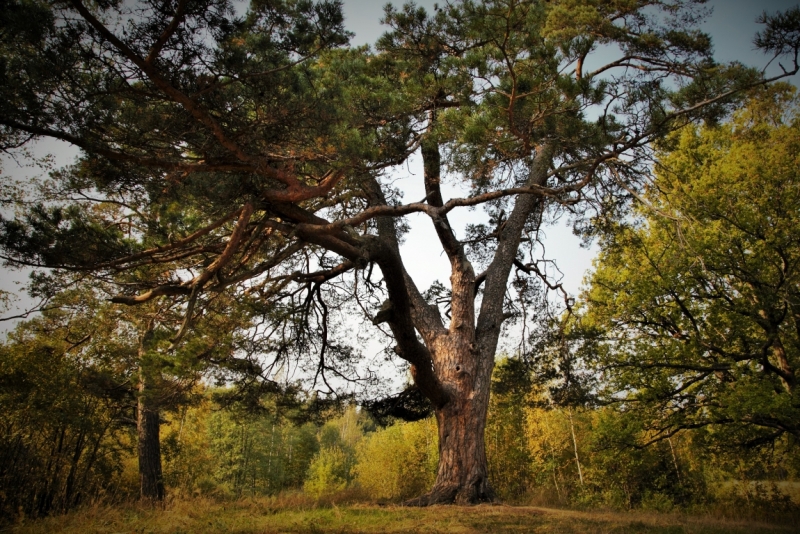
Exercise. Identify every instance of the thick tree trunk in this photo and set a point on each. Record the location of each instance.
(463, 475)
(453, 364)
(151, 483)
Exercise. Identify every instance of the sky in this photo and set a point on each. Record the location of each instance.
(731, 25)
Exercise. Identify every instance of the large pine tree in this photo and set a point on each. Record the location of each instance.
(245, 153)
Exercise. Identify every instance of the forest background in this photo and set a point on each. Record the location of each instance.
(67, 413)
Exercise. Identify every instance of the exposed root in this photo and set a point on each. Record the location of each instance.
(452, 494)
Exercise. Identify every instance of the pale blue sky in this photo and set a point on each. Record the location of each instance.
(732, 27)
(731, 23)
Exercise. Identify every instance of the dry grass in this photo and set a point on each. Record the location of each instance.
(296, 514)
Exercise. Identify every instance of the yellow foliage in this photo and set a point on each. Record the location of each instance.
(329, 472)
(398, 462)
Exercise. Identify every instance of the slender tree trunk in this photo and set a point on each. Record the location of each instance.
(674, 460)
(73, 470)
(149, 441)
(81, 485)
(52, 474)
(151, 483)
(575, 446)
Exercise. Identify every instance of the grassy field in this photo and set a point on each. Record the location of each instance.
(266, 516)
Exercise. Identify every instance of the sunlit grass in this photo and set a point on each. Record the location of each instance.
(297, 514)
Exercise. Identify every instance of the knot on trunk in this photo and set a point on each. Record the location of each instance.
(385, 314)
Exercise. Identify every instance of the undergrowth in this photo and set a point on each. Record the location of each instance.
(342, 514)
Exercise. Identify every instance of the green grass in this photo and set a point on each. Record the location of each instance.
(268, 516)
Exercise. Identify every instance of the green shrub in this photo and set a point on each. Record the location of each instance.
(329, 472)
(398, 462)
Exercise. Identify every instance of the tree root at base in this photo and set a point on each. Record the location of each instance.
(452, 494)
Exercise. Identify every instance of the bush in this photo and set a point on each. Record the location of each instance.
(398, 462)
(329, 472)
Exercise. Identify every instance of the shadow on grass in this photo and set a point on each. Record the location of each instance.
(340, 514)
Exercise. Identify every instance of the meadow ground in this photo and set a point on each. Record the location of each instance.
(267, 516)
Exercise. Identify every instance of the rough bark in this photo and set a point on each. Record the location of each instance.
(463, 356)
(151, 483)
(462, 474)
